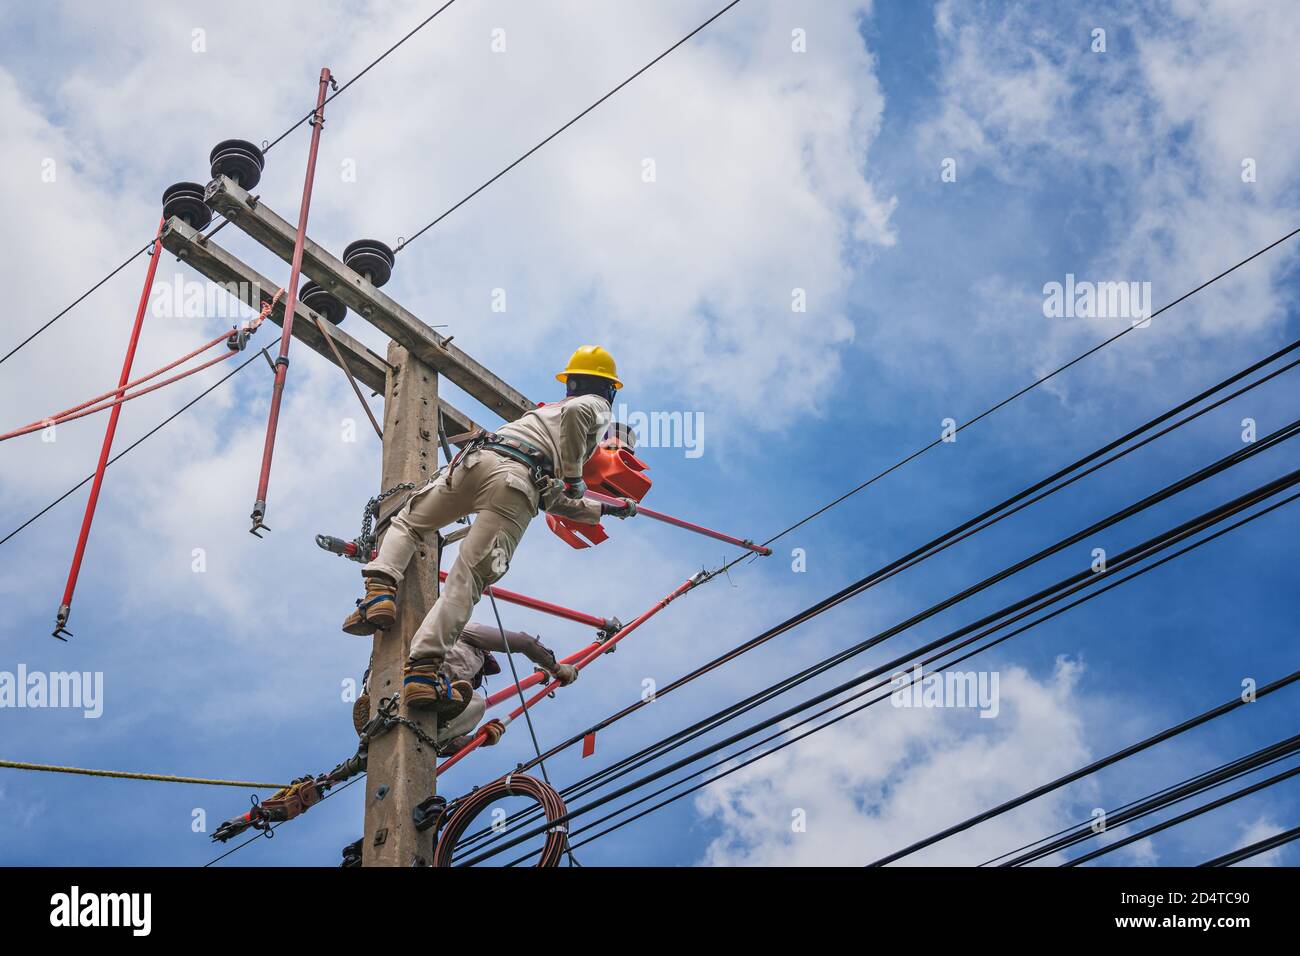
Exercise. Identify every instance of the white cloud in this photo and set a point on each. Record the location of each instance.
(761, 187)
(1255, 831)
(889, 776)
(1152, 133)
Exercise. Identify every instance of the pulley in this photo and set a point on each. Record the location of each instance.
(372, 259)
(185, 202)
(238, 159)
(318, 300)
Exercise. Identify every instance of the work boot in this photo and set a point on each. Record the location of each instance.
(423, 687)
(377, 611)
(361, 712)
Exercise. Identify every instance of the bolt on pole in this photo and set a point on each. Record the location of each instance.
(290, 305)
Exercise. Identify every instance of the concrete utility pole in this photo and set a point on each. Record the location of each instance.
(401, 770)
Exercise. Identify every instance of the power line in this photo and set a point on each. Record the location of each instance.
(1255, 849)
(1091, 768)
(1028, 388)
(425, 228)
(1185, 816)
(1149, 548)
(1074, 583)
(790, 741)
(709, 723)
(972, 526)
(131, 775)
(1135, 809)
(265, 149)
(153, 431)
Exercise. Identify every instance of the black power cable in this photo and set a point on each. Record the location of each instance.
(970, 527)
(974, 525)
(1091, 768)
(785, 731)
(1185, 816)
(447, 212)
(1045, 846)
(265, 149)
(1074, 582)
(720, 717)
(1255, 849)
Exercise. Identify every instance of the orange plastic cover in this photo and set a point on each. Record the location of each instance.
(613, 470)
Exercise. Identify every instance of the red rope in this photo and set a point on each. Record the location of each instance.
(107, 399)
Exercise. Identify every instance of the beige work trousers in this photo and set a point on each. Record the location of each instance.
(500, 492)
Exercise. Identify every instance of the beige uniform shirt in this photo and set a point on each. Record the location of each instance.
(568, 431)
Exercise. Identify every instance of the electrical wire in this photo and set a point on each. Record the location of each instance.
(150, 433)
(1135, 809)
(513, 785)
(1075, 582)
(790, 741)
(701, 727)
(265, 149)
(1185, 816)
(447, 212)
(1255, 849)
(1149, 548)
(1079, 774)
(887, 695)
(966, 529)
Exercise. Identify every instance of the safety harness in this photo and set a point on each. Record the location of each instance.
(541, 470)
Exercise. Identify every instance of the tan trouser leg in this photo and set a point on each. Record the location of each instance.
(465, 722)
(504, 510)
(436, 505)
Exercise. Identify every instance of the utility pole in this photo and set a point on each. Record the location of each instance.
(401, 769)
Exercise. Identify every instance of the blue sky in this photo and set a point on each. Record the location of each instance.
(775, 170)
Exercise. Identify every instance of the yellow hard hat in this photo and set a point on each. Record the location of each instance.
(591, 360)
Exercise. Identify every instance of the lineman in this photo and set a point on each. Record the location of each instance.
(533, 462)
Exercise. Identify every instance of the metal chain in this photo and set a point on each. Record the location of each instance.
(387, 718)
(365, 541)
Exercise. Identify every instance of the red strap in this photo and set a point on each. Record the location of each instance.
(589, 744)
